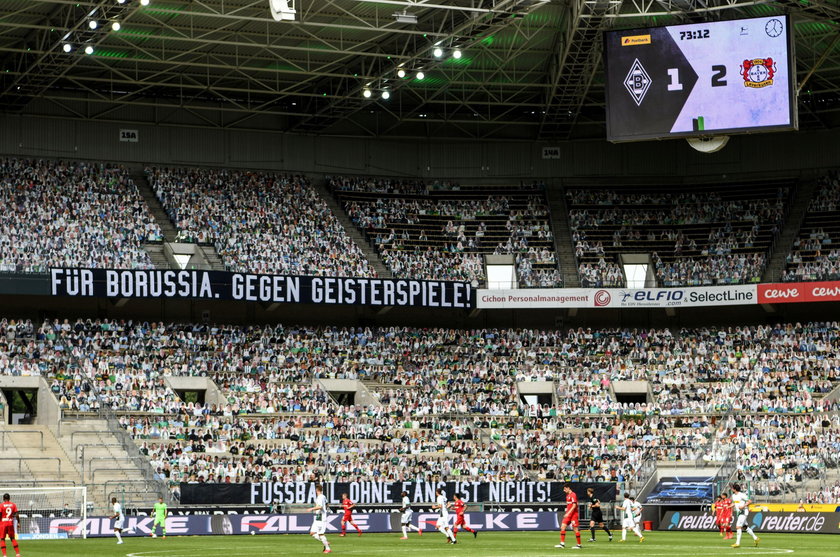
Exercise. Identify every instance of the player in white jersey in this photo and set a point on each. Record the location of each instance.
(319, 522)
(442, 507)
(405, 519)
(741, 509)
(631, 515)
(119, 520)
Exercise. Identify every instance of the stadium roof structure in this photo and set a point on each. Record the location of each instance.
(528, 69)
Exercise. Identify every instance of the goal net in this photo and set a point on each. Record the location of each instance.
(49, 512)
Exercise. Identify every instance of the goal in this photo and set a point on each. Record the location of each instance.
(50, 512)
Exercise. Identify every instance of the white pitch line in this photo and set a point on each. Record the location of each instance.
(180, 552)
(657, 551)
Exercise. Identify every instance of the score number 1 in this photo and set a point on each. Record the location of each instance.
(717, 78)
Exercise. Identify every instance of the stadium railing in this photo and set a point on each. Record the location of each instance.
(29, 459)
(106, 413)
(5, 432)
(702, 461)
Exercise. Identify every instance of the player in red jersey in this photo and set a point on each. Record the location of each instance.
(347, 505)
(726, 515)
(717, 508)
(570, 517)
(460, 509)
(8, 517)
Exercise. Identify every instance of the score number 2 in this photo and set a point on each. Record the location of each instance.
(717, 78)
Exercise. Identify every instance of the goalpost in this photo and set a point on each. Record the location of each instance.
(50, 512)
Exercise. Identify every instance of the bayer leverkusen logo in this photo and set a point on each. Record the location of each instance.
(758, 72)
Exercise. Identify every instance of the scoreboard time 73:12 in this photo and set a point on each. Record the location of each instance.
(700, 79)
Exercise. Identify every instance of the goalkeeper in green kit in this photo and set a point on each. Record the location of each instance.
(160, 517)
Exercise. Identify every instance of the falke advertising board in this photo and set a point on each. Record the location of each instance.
(793, 292)
(103, 526)
(620, 298)
(781, 522)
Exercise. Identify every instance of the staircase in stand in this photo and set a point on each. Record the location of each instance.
(106, 467)
(563, 245)
(213, 258)
(148, 195)
(798, 207)
(43, 461)
(157, 256)
(155, 250)
(353, 232)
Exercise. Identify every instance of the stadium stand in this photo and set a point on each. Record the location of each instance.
(258, 222)
(830, 494)
(814, 255)
(446, 402)
(442, 231)
(717, 234)
(71, 214)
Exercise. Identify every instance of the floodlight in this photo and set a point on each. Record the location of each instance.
(405, 17)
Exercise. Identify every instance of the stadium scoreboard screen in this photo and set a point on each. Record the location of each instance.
(700, 79)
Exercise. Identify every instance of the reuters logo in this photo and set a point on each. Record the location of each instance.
(602, 298)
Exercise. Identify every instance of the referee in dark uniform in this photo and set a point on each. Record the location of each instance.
(596, 516)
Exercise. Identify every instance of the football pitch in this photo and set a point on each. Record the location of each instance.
(530, 544)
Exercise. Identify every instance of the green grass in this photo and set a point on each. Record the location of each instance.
(530, 544)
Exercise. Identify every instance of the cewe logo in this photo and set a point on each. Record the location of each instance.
(776, 293)
(784, 293)
(822, 292)
(828, 291)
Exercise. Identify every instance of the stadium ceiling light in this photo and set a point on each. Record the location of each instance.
(400, 73)
(366, 93)
(420, 76)
(282, 10)
(67, 47)
(386, 95)
(456, 53)
(438, 52)
(88, 49)
(120, 1)
(93, 24)
(405, 17)
(116, 26)
(144, 2)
